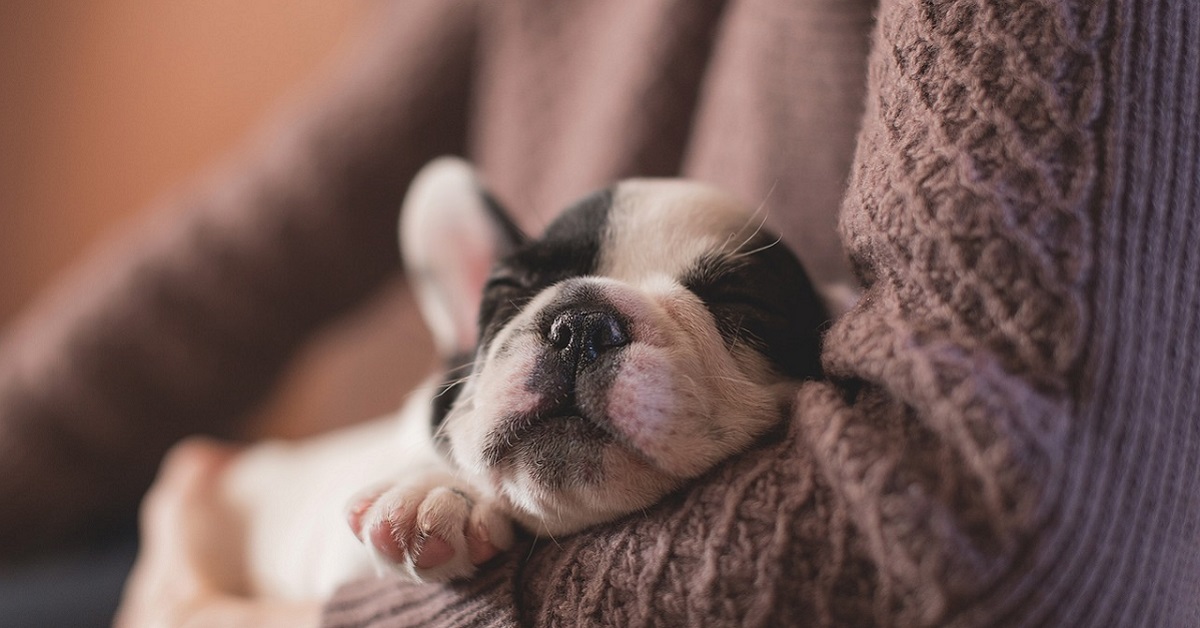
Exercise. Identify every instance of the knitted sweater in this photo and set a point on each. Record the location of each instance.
(1008, 434)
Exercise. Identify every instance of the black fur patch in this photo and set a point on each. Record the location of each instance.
(766, 300)
(446, 394)
(512, 232)
(569, 248)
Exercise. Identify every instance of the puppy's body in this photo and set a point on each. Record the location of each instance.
(652, 331)
(293, 539)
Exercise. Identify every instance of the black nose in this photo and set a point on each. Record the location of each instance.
(581, 337)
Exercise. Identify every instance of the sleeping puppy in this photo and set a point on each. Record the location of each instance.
(652, 331)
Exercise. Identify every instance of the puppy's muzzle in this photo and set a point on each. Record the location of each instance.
(563, 437)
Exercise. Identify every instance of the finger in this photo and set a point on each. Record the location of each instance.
(174, 568)
(223, 611)
(232, 612)
(197, 456)
(188, 470)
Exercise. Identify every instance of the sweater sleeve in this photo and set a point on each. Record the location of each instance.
(1005, 436)
(945, 431)
(183, 323)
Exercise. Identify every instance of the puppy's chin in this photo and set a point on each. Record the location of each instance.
(550, 491)
(561, 472)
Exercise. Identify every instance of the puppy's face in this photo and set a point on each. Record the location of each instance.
(652, 331)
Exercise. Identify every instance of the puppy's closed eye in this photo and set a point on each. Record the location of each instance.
(758, 299)
(507, 290)
(506, 280)
(728, 283)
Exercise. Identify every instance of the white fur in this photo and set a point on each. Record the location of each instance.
(295, 541)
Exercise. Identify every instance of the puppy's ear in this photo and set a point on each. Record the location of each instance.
(451, 232)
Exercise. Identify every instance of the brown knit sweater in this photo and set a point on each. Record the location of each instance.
(1009, 434)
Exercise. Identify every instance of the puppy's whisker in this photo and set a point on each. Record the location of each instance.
(765, 214)
(440, 431)
(532, 545)
(737, 335)
(444, 386)
(749, 219)
(758, 250)
(462, 367)
(761, 206)
(546, 529)
(737, 250)
(447, 385)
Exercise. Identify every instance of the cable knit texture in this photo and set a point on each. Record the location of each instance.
(1009, 432)
(968, 217)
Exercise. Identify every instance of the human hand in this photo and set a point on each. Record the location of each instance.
(181, 578)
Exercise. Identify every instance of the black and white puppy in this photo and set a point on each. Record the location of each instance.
(652, 331)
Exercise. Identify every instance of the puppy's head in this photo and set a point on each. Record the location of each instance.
(652, 330)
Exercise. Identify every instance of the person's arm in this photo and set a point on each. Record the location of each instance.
(183, 324)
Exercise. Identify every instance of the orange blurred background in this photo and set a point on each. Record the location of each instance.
(106, 105)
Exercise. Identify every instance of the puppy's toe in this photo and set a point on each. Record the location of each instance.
(390, 539)
(441, 519)
(359, 507)
(434, 552)
(488, 532)
(427, 531)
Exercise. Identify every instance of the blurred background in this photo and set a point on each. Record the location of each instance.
(108, 105)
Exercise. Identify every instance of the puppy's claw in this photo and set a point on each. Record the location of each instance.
(357, 510)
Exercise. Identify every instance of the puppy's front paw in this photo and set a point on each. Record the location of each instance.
(432, 529)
